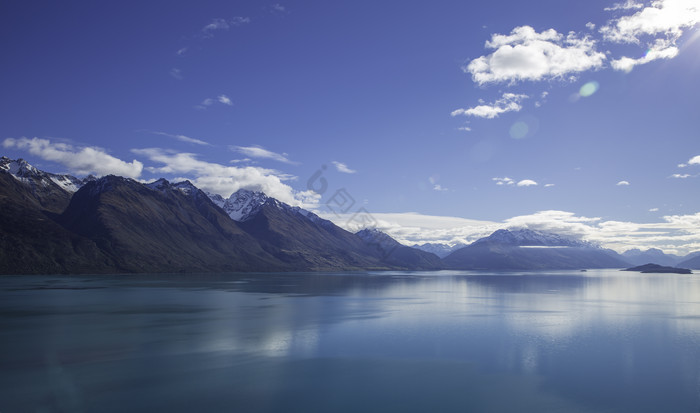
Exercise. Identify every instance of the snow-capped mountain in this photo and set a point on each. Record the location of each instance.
(244, 204)
(525, 249)
(241, 205)
(186, 187)
(530, 238)
(117, 224)
(35, 178)
(441, 250)
(375, 236)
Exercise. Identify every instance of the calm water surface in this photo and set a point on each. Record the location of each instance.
(598, 341)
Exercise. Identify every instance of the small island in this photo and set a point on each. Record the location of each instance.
(656, 268)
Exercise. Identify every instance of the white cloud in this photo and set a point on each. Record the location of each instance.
(548, 185)
(660, 50)
(527, 182)
(653, 209)
(79, 160)
(181, 138)
(622, 183)
(223, 24)
(678, 234)
(590, 26)
(528, 55)
(182, 51)
(659, 25)
(278, 8)
(543, 99)
(695, 160)
(176, 73)
(503, 181)
(341, 167)
(509, 102)
(216, 24)
(511, 181)
(260, 152)
(560, 222)
(628, 5)
(238, 21)
(662, 17)
(412, 228)
(225, 100)
(225, 180)
(464, 128)
(439, 188)
(681, 176)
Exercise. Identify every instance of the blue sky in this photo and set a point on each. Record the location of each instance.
(567, 116)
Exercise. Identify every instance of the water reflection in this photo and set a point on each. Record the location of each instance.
(557, 341)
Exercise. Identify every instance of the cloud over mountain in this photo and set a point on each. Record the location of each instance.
(225, 180)
(79, 160)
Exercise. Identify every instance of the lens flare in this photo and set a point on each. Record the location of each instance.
(589, 88)
(519, 130)
(525, 127)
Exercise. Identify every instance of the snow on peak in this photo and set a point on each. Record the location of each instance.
(18, 168)
(440, 249)
(242, 204)
(24, 172)
(185, 187)
(160, 185)
(530, 238)
(375, 236)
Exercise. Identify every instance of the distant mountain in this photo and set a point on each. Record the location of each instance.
(525, 249)
(638, 257)
(691, 261)
(530, 238)
(441, 250)
(395, 253)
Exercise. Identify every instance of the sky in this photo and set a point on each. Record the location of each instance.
(434, 121)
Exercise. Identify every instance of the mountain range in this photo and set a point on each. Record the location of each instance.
(52, 223)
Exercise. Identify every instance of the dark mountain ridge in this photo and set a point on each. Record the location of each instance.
(61, 224)
(163, 229)
(122, 225)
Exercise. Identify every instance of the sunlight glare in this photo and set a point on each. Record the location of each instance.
(589, 88)
(519, 130)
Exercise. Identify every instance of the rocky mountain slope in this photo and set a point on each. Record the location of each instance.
(398, 254)
(52, 223)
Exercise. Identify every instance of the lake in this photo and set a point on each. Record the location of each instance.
(564, 341)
